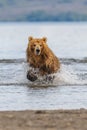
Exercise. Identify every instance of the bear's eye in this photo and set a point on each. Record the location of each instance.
(40, 45)
(34, 45)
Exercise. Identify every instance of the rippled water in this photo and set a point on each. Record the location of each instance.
(69, 88)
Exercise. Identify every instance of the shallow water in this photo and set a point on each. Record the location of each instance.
(69, 88)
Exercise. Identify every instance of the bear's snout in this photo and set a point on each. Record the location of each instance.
(37, 51)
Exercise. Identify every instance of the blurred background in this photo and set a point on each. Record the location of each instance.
(43, 10)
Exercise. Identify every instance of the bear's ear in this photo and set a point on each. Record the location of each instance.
(44, 39)
(30, 38)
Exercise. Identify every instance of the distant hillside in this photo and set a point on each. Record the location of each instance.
(43, 10)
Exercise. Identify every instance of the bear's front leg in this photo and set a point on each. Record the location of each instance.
(49, 66)
(31, 76)
(45, 70)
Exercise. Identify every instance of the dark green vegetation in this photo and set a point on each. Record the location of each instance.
(43, 10)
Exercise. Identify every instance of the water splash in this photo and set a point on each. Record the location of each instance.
(72, 72)
(66, 76)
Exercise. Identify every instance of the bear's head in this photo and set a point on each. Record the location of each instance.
(37, 45)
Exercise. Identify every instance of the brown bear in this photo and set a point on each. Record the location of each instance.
(40, 56)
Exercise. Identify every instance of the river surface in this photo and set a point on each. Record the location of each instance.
(69, 88)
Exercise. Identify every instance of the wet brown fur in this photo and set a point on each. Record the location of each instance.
(46, 61)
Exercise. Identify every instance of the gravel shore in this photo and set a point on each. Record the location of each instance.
(44, 120)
